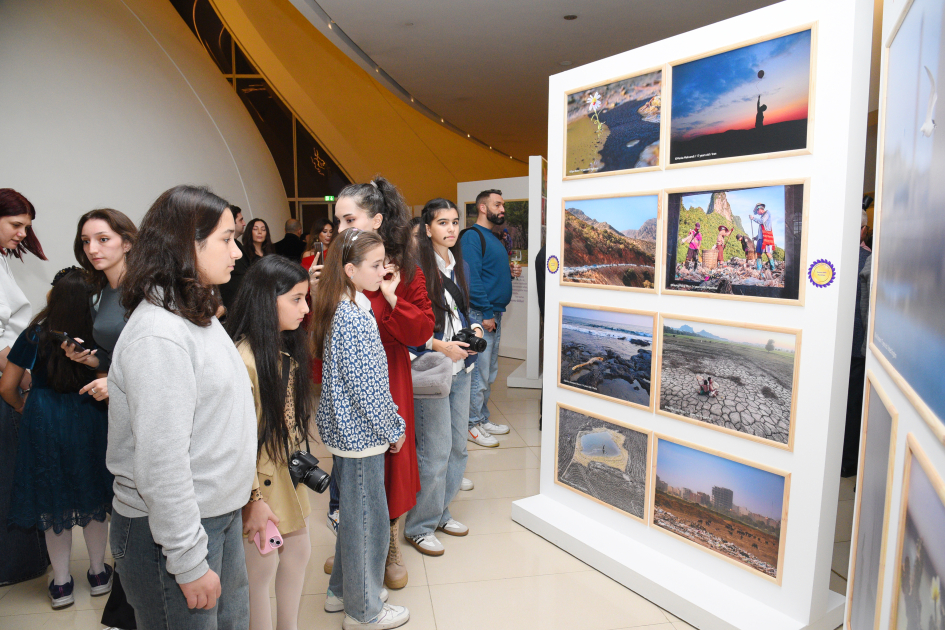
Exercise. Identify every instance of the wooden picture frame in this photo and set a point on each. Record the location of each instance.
(623, 425)
(652, 348)
(812, 81)
(603, 84)
(657, 259)
(801, 266)
(657, 387)
(872, 387)
(914, 453)
(782, 535)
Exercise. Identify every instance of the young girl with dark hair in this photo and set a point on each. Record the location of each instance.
(60, 478)
(404, 317)
(182, 423)
(358, 422)
(257, 241)
(265, 325)
(441, 445)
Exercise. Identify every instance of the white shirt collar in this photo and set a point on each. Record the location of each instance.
(443, 266)
(360, 300)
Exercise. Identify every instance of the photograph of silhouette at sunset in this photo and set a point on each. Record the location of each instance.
(747, 101)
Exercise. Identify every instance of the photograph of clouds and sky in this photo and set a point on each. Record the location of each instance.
(743, 102)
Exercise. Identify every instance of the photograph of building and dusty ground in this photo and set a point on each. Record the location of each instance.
(603, 460)
(732, 377)
(728, 507)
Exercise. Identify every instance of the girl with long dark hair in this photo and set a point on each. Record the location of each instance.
(358, 422)
(60, 478)
(257, 241)
(441, 444)
(182, 423)
(265, 323)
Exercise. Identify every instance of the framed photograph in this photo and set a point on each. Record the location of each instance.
(614, 127)
(607, 352)
(740, 243)
(602, 459)
(732, 508)
(729, 376)
(871, 515)
(907, 299)
(920, 550)
(745, 103)
(610, 242)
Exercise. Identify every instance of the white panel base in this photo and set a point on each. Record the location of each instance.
(518, 378)
(696, 598)
(511, 353)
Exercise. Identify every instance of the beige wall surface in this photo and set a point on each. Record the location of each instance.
(107, 103)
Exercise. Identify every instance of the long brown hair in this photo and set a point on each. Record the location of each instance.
(335, 283)
(431, 270)
(119, 223)
(14, 204)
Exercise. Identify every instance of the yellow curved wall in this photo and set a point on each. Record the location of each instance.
(365, 127)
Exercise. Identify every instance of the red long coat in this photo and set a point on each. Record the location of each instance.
(410, 323)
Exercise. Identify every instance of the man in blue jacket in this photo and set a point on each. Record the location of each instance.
(490, 291)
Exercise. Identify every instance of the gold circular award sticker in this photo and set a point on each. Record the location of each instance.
(821, 273)
(553, 264)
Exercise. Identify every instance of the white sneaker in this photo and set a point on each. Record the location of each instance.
(337, 604)
(467, 485)
(332, 522)
(427, 544)
(481, 437)
(494, 429)
(453, 528)
(390, 617)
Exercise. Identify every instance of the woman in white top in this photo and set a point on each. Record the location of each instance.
(24, 555)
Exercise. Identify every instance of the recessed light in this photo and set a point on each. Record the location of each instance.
(564, 63)
(442, 121)
(510, 157)
(377, 69)
(467, 135)
(490, 148)
(570, 17)
(411, 99)
(329, 25)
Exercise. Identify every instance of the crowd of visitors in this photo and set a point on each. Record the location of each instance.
(176, 379)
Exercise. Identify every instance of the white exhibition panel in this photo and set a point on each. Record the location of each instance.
(701, 588)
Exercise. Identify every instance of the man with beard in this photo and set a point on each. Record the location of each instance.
(490, 291)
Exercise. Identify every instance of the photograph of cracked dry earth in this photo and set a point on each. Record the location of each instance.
(609, 353)
(614, 127)
(725, 506)
(603, 460)
(736, 378)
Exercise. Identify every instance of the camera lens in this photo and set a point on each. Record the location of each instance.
(317, 479)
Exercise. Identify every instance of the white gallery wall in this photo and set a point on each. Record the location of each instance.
(108, 103)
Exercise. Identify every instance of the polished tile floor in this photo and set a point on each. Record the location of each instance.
(499, 577)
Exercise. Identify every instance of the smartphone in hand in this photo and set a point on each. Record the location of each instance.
(272, 541)
(61, 336)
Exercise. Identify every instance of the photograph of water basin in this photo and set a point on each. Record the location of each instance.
(610, 242)
(729, 507)
(614, 126)
(602, 460)
(738, 378)
(607, 352)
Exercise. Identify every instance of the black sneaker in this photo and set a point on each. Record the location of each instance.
(61, 594)
(101, 583)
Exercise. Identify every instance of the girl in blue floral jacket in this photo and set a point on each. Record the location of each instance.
(358, 422)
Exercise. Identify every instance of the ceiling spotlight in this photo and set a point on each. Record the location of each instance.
(329, 24)
(377, 69)
(570, 17)
(564, 63)
(490, 148)
(441, 120)
(467, 135)
(510, 157)
(411, 99)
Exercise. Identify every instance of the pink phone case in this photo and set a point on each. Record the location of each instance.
(273, 539)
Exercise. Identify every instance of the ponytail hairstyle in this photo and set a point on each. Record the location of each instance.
(428, 264)
(14, 204)
(249, 247)
(255, 319)
(119, 223)
(381, 197)
(351, 246)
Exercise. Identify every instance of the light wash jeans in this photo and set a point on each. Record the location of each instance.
(485, 372)
(157, 599)
(441, 427)
(363, 536)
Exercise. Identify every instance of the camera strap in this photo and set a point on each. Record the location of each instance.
(286, 368)
(456, 292)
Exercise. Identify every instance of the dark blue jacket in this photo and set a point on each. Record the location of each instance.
(490, 279)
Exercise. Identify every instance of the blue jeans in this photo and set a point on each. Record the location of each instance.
(441, 427)
(485, 372)
(157, 599)
(363, 536)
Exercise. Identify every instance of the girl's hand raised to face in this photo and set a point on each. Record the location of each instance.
(389, 284)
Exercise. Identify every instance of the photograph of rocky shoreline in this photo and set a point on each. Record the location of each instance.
(609, 353)
(614, 127)
(602, 460)
(736, 378)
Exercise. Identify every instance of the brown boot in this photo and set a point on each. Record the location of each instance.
(395, 575)
(329, 565)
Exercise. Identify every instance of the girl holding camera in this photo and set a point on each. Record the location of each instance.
(358, 423)
(441, 423)
(265, 325)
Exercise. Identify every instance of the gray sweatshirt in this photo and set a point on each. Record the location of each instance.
(181, 431)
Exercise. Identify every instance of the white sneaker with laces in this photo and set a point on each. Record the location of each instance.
(467, 485)
(494, 429)
(427, 544)
(390, 617)
(481, 437)
(337, 604)
(453, 528)
(332, 522)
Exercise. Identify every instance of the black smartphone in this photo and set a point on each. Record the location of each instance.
(61, 336)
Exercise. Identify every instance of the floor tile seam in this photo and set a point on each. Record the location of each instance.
(514, 577)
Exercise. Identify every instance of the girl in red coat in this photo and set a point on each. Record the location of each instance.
(405, 318)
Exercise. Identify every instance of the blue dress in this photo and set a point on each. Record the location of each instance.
(60, 479)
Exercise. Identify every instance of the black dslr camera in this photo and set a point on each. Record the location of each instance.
(303, 467)
(468, 335)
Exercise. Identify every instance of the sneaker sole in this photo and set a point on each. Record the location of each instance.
(352, 624)
(506, 432)
(98, 591)
(484, 445)
(62, 602)
(424, 551)
(449, 533)
(333, 607)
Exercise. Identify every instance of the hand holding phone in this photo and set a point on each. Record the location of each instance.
(65, 338)
(272, 541)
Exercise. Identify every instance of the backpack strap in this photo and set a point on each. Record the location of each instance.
(482, 239)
